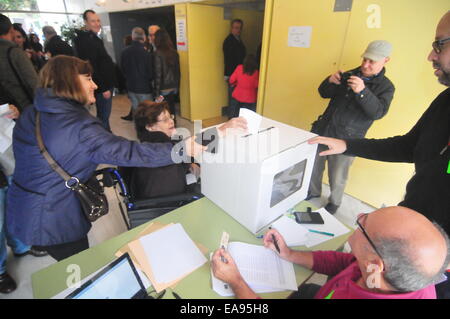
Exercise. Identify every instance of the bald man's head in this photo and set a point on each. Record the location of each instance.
(440, 55)
(414, 251)
(152, 31)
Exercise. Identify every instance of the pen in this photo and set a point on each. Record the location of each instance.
(275, 242)
(321, 232)
(224, 260)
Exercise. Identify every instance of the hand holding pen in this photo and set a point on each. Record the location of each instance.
(273, 240)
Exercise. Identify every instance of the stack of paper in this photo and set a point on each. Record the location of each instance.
(262, 269)
(293, 233)
(137, 249)
(172, 253)
(332, 225)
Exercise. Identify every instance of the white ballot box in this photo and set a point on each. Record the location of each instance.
(257, 177)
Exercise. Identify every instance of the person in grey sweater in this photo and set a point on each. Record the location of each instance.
(18, 77)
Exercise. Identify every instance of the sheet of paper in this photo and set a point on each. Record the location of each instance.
(253, 120)
(293, 233)
(261, 268)
(6, 128)
(172, 253)
(137, 254)
(331, 225)
(300, 37)
(4, 109)
(190, 179)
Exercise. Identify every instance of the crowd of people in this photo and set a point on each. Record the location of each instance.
(47, 89)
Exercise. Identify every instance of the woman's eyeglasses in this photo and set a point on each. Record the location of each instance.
(167, 119)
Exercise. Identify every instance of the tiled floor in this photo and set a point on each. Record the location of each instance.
(112, 224)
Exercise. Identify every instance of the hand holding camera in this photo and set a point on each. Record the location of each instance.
(356, 84)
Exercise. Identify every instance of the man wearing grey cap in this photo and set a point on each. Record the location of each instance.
(358, 97)
(427, 145)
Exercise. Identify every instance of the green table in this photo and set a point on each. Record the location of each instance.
(202, 220)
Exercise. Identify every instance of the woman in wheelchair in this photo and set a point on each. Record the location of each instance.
(155, 124)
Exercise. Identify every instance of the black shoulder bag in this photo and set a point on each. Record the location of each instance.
(91, 194)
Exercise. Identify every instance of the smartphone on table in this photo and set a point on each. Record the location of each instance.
(308, 217)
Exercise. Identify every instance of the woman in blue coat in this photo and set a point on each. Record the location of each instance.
(42, 211)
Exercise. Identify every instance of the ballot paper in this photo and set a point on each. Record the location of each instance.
(293, 233)
(253, 120)
(331, 225)
(6, 128)
(171, 253)
(262, 269)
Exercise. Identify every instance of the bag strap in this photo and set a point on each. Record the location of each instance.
(24, 87)
(47, 156)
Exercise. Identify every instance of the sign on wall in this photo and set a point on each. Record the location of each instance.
(181, 34)
(300, 37)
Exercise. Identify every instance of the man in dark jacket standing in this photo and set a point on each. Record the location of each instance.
(233, 52)
(136, 64)
(18, 78)
(427, 145)
(88, 46)
(54, 44)
(358, 98)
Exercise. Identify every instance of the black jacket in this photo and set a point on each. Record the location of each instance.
(233, 52)
(428, 191)
(136, 64)
(89, 47)
(146, 182)
(350, 115)
(169, 180)
(166, 76)
(57, 46)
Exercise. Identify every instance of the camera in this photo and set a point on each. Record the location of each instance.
(345, 77)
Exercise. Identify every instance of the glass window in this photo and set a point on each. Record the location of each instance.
(287, 182)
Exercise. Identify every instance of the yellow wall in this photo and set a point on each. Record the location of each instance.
(338, 40)
(203, 91)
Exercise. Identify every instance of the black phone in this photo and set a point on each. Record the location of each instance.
(308, 217)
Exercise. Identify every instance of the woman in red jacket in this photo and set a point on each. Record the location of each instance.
(245, 78)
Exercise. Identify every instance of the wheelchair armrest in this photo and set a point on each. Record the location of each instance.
(157, 201)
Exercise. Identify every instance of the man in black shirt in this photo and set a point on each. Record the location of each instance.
(426, 145)
(88, 46)
(234, 52)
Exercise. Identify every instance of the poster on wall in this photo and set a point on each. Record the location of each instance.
(300, 37)
(181, 35)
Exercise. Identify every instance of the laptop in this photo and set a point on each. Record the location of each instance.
(118, 280)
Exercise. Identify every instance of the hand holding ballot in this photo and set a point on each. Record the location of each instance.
(234, 123)
(224, 268)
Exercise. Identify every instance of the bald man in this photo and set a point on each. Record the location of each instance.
(427, 145)
(396, 254)
(151, 36)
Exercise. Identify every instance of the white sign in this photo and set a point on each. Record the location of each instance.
(300, 37)
(181, 35)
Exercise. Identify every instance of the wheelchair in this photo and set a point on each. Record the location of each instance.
(140, 211)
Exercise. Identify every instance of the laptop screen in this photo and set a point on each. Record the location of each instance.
(119, 280)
